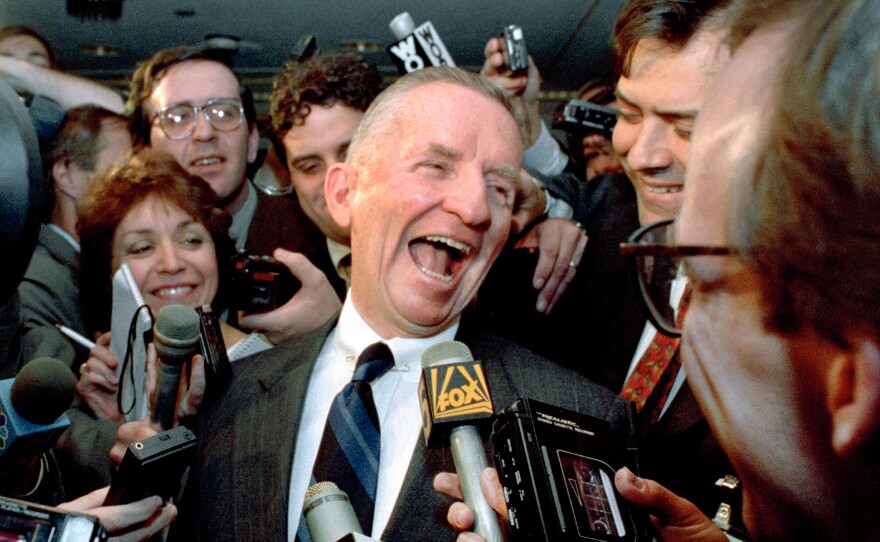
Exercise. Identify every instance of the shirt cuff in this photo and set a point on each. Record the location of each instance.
(545, 156)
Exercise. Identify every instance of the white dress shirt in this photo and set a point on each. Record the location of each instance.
(397, 405)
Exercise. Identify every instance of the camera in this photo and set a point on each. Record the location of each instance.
(557, 469)
(515, 54)
(261, 283)
(580, 117)
(20, 520)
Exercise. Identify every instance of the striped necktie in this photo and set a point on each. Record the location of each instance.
(349, 452)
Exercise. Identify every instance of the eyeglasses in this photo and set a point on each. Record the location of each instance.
(658, 269)
(178, 121)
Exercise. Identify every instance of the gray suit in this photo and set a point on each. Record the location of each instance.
(50, 295)
(239, 487)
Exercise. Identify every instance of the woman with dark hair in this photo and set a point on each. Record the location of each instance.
(170, 228)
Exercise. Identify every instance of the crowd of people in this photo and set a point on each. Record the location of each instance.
(734, 350)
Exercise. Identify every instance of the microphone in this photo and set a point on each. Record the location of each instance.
(176, 338)
(416, 48)
(455, 399)
(329, 515)
(32, 415)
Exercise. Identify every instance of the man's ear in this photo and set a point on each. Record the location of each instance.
(253, 144)
(339, 190)
(854, 395)
(63, 179)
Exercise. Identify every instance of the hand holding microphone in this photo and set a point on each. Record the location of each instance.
(176, 341)
(455, 397)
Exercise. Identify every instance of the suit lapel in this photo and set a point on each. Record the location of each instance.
(267, 427)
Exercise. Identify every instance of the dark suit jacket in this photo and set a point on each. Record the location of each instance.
(281, 222)
(596, 325)
(50, 295)
(239, 487)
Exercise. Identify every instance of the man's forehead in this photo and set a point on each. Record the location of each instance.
(729, 137)
(195, 80)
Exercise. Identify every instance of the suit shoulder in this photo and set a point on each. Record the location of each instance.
(514, 371)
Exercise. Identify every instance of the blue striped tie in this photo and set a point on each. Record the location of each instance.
(349, 451)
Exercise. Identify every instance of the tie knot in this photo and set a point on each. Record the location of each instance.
(373, 362)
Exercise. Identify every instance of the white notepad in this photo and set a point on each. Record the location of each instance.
(126, 300)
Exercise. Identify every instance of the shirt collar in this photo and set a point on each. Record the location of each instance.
(353, 335)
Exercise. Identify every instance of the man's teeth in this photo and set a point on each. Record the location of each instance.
(445, 278)
(173, 292)
(461, 247)
(207, 161)
(663, 189)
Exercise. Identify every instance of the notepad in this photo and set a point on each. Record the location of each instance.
(126, 300)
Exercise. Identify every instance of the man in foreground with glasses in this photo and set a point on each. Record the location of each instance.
(188, 102)
(781, 338)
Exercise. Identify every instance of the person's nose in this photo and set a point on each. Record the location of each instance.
(467, 198)
(650, 148)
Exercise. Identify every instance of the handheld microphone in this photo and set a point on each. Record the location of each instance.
(416, 48)
(455, 399)
(32, 415)
(329, 515)
(176, 338)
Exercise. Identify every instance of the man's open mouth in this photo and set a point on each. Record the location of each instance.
(437, 256)
(207, 161)
(664, 189)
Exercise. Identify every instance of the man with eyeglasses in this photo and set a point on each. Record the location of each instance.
(666, 52)
(187, 102)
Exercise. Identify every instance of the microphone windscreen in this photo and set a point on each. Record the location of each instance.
(177, 326)
(446, 352)
(43, 389)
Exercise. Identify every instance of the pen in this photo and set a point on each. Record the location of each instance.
(75, 337)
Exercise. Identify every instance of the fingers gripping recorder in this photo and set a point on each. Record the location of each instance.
(455, 400)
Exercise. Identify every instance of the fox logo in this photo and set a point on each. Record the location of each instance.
(459, 389)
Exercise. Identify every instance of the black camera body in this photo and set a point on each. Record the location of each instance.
(557, 469)
(261, 283)
(578, 116)
(516, 56)
(20, 520)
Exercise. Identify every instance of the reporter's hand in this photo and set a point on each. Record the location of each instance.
(529, 203)
(523, 88)
(129, 433)
(97, 380)
(674, 518)
(460, 516)
(314, 304)
(138, 520)
(561, 244)
(190, 391)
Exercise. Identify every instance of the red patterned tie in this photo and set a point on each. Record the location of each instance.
(659, 358)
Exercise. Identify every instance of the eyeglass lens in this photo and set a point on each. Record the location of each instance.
(658, 275)
(179, 121)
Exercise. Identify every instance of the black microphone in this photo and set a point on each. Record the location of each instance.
(176, 338)
(416, 48)
(455, 399)
(32, 416)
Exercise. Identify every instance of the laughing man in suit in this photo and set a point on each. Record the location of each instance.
(427, 191)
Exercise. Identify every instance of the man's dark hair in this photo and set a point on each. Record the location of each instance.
(323, 80)
(22, 30)
(672, 22)
(148, 74)
(76, 140)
